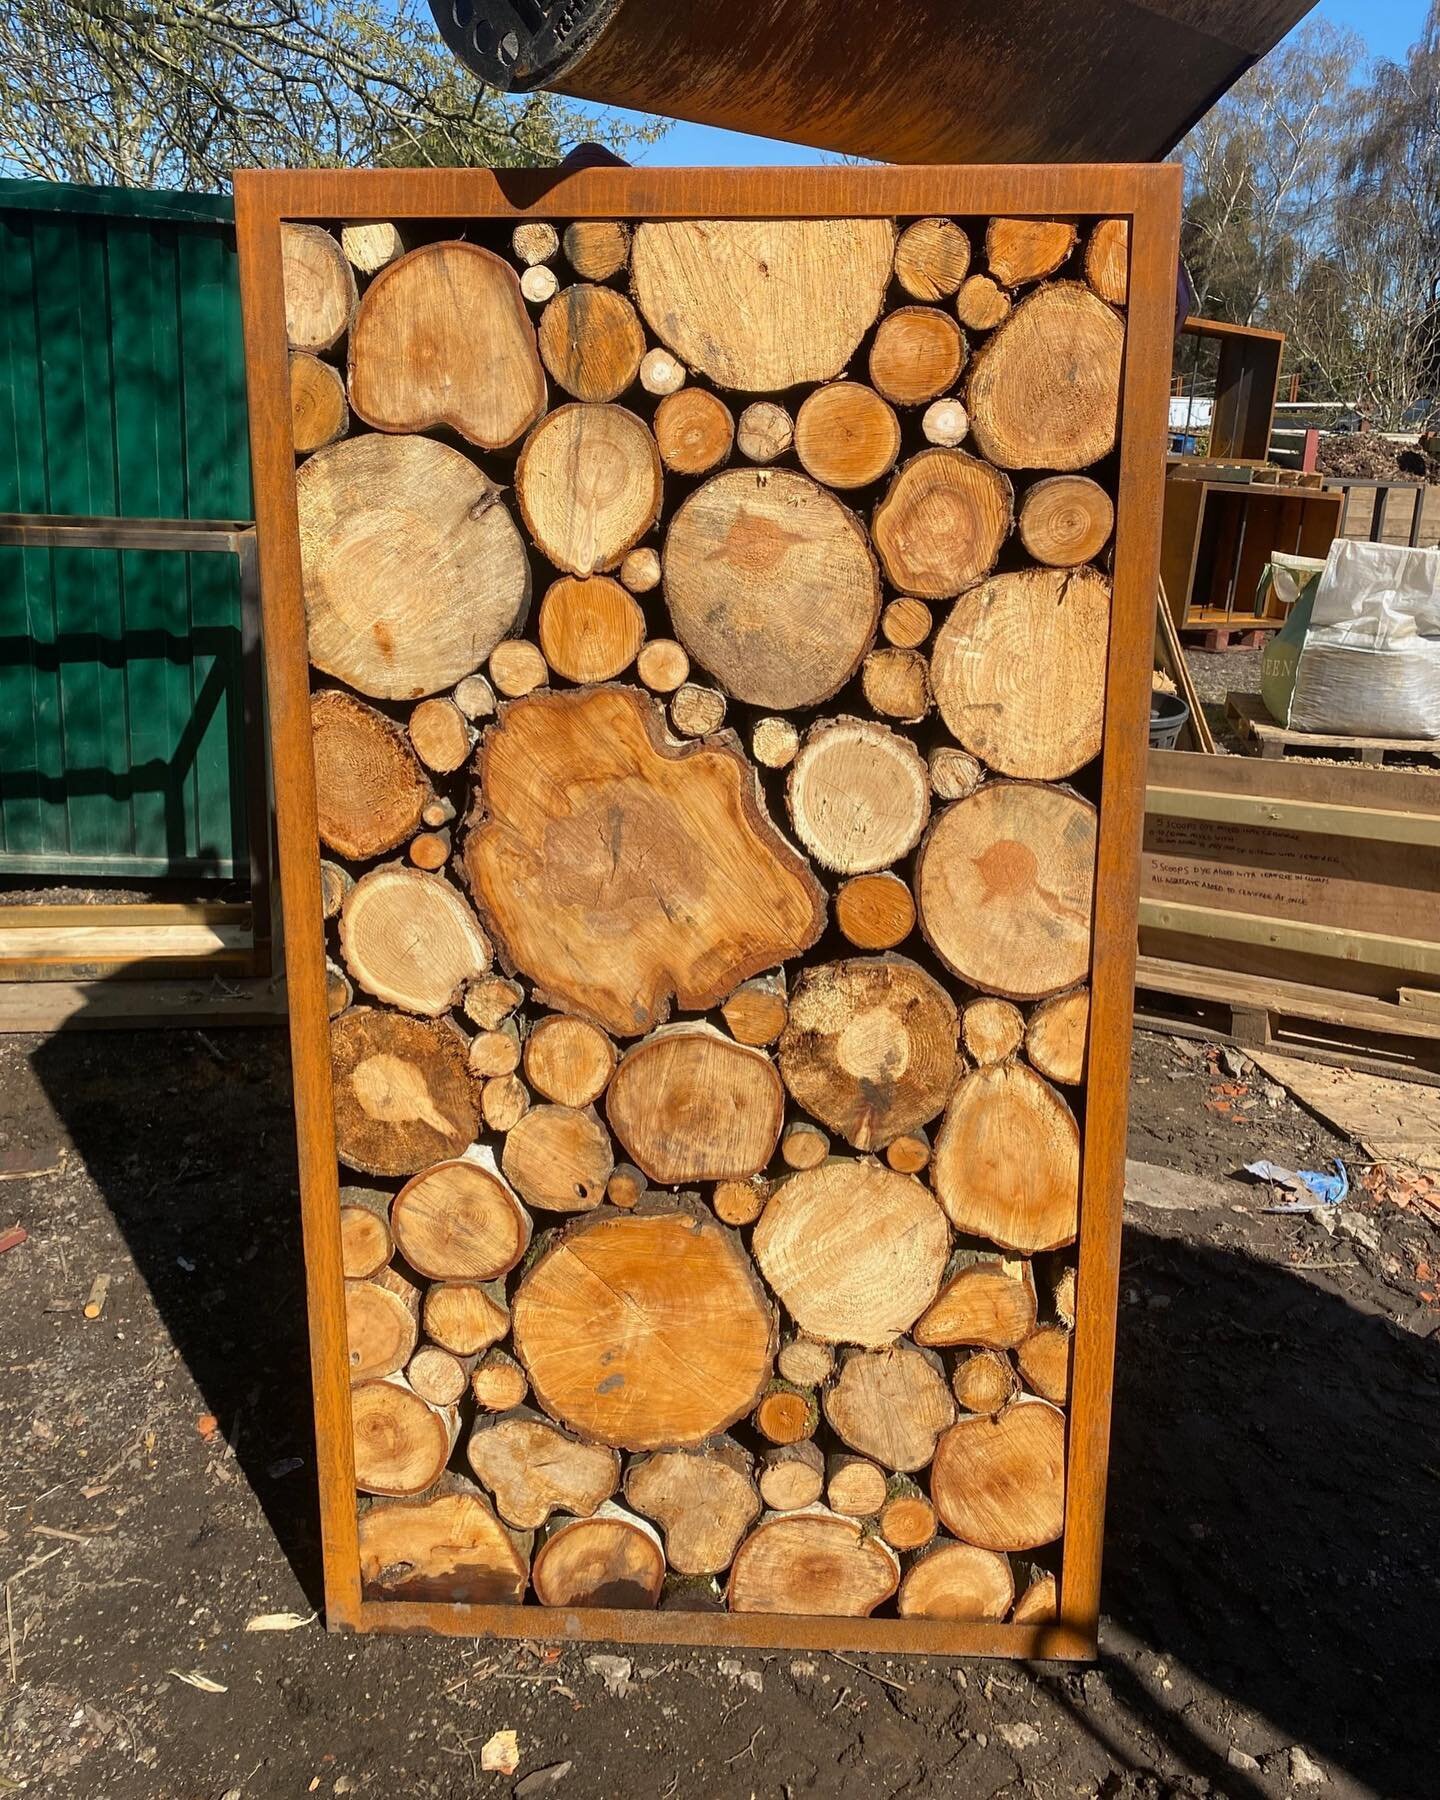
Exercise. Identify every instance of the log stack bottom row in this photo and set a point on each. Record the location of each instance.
(709, 622)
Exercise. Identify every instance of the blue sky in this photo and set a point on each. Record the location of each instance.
(1388, 26)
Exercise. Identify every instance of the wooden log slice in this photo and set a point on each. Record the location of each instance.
(591, 342)
(932, 258)
(430, 851)
(539, 284)
(1018, 670)
(559, 1158)
(411, 939)
(858, 795)
(869, 1048)
(984, 1381)
(442, 338)
(535, 242)
(756, 1012)
(662, 665)
(765, 431)
(1056, 1035)
(475, 697)
(896, 683)
(597, 248)
(981, 303)
(1044, 390)
(588, 486)
(568, 1060)
(402, 1444)
(440, 734)
(917, 354)
(907, 1520)
(1044, 1360)
(318, 412)
(945, 423)
(906, 623)
(1022, 250)
(1007, 1160)
(370, 245)
(846, 436)
(774, 742)
(382, 1325)
(1004, 887)
(875, 912)
(492, 999)
(855, 1251)
(738, 1202)
(646, 1329)
(437, 1375)
(890, 1405)
(697, 711)
(1040, 1602)
(812, 1562)
(640, 570)
(458, 1221)
(1066, 520)
(689, 1104)
(791, 1476)
(504, 1101)
(497, 1382)
(617, 870)
(449, 1547)
(694, 431)
(590, 629)
(999, 1483)
(517, 668)
(413, 571)
(942, 523)
(805, 1362)
(991, 1029)
(494, 1053)
(954, 774)
(957, 1581)
(370, 790)
(854, 1486)
(771, 587)
(787, 1414)
(909, 1153)
(986, 1300)
(703, 1500)
(761, 305)
(534, 1469)
(319, 287)
(467, 1317)
(804, 1146)
(365, 1242)
(403, 1096)
(661, 373)
(1107, 260)
(612, 1559)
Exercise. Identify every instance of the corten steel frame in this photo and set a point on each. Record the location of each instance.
(1149, 196)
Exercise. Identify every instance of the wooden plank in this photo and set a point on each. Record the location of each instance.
(1341, 784)
(124, 943)
(202, 912)
(1293, 998)
(1389, 827)
(1396, 1121)
(1291, 934)
(1170, 660)
(48, 1006)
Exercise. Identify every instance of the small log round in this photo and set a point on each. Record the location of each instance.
(986, 1301)
(458, 1221)
(1044, 1360)
(365, 1242)
(319, 287)
(756, 1012)
(372, 246)
(591, 341)
(910, 1152)
(568, 1060)
(1018, 251)
(318, 410)
(495, 1052)
(984, 1381)
(661, 373)
(907, 1519)
(897, 684)
(954, 774)
(475, 697)
(611, 1559)
(786, 1414)
(1066, 520)
(627, 1186)
(875, 912)
(957, 1581)
(991, 1030)
(858, 795)
(662, 665)
(596, 249)
(504, 1102)
(689, 1104)
(1062, 1295)
(466, 1317)
(791, 1476)
(774, 742)
(854, 1486)
(448, 1548)
(932, 258)
(430, 851)
(740, 1202)
(335, 884)
(440, 734)
(539, 284)
(945, 423)
(338, 992)
(403, 1096)
(981, 303)
(1107, 260)
(803, 1146)
(534, 1469)
(1027, 1202)
(588, 486)
(812, 1562)
(890, 1405)
(846, 436)
(697, 711)
(906, 623)
(999, 1482)
(1044, 390)
(437, 1375)
(942, 523)
(590, 629)
(370, 790)
(1056, 1036)
(382, 1324)
(765, 431)
(401, 1444)
(694, 431)
(491, 1000)
(411, 940)
(497, 1383)
(805, 1362)
(517, 668)
(640, 571)
(535, 242)
(559, 1158)
(917, 354)
(703, 1500)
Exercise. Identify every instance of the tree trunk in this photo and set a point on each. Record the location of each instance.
(662, 665)
(535, 243)
(791, 1476)
(765, 432)
(1066, 520)
(517, 668)
(1026, 1200)
(771, 586)
(954, 774)
(646, 1329)
(412, 567)
(814, 1563)
(787, 1414)
(854, 1251)
(890, 1405)
(858, 795)
(588, 486)
(773, 743)
(533, 1468)
(438, 1375)
(1023, 250)
(1044, 391)
(907, 1519)
(1044, 1360)
(689, 1104)
(846, 436)
(981, 304)
(1019, 670)
(756, 1012)
(854, 1486)
(412, 940)
(442, 338)
(382, 1324)
(1107, 260)
(695, 431)
(441, 735)
(459, 1221)
(917, 354)
(369, 788)
(703, 1500)
(1004, 884)
(596, 249)
(447, 1546)
(403, 1096)
(319, 287)
(371, 247)
(612, 1559)
(984, 1382)
(986, 1300)
(401, 1444)
(999, 1482)
(991, 1030)
(942, 522)
(559, 1158)
(897, 684)
(697, 711)
(1056, 1035)
(931, 259)
(466, 1317)
(875, 912)
(365, 1242)
(318, 412)
(591, 342)
(957, 1581)
(497, 1383)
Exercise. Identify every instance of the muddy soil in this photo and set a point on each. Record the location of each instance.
(1271, 1574)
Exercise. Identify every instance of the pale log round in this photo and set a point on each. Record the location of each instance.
(597, 248)
(761, 305)
(694, 431)
(534, 1469)
(439, 811)
(945, 422)
(412, 568)
(805, 1361)
(518, 668)
(568, 1060)
(756, 1012)
(466, 1317)
(539, 284)
(646, 1330)
(986, 1301)
(475, 697)
(442, 337)
(846, 436)
(792, 1476)
(610, 1560)
(771, 587)
(690, 1104)
(858, 795)
(401, 1444)
(804, 1146)
(890, 1404)
(640, 571)
(661, 373)
(319, 287)
(917, 354)
(1044, 391)
(812, 1562)
(381, 1326)
(335, 882)
(450, 1549)
(906, 623)
(504, 1101)
(430, 851)
(854, 1251)
(954, 774)
(365, 1242)
(981, 304)
(855, 1486)
(869, 1048)
(437, 1375)
(590, 629)
(403, 1096)
(497, 1382)
(458, 1221)
(588, 486)
(411, 939)
(697, 711)
(984, 1381)
(1107, 260)
(957, 1581)
(703, 1500)
(1056, 1035)
(740, 1202)
(559, 1158)
(591, 342)
(662, 665)
(765, 431)
(942, 523)
(1044, 1360)
(370, 790)
(617, 870)
(1004, 888)
(774, 742)
(318, 412)
(875, 912)
(1040, 1603)
(440, 734)
(932, 258)
(999, 1483)
(1028, 1200)
(897, 684)
(535, 242)
(1023, 250)
(991, 1029)
(369, 246)
(494, 1052)
(1066, 520)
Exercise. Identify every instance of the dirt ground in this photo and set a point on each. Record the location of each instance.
(1271, 1572)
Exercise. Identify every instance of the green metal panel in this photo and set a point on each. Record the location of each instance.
(121, 395)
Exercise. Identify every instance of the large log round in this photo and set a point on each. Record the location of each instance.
(588, 486)
(1007, 1160)
(458, 1221)
(690, 1104)
(812, 1562)
(1044, 391)
(957, 1581)
(591, 342)
(771, 587)
(403, 1095)
(647, 1329)
(942, 523)
(411, 939)
(999, 1482)
(858, 795)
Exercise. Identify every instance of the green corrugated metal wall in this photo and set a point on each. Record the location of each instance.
(121, 393)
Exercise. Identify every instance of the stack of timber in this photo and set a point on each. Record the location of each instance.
(706, 766)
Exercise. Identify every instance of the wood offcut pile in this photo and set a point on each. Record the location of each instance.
(708, 625)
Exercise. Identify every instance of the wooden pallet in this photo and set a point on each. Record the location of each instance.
(1263, 737)
(1229, 637)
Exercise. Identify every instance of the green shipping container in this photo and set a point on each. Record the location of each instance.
(122, 394)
